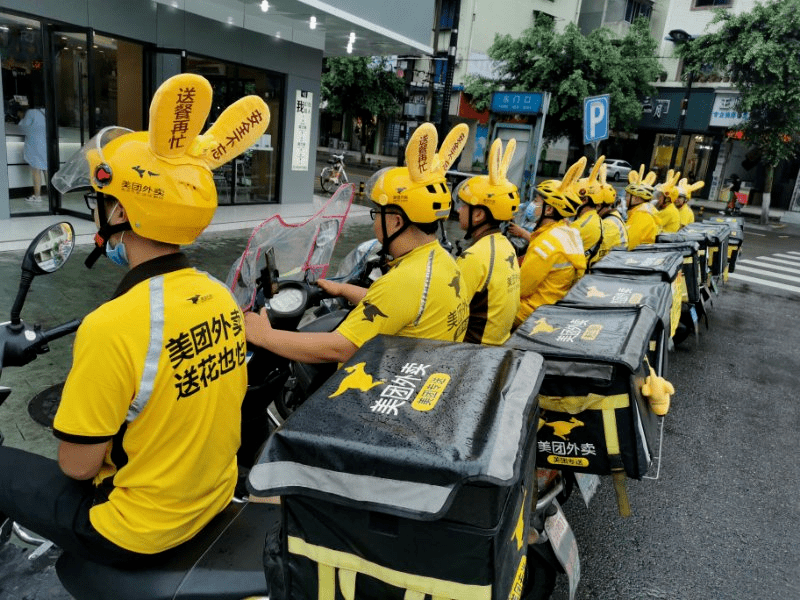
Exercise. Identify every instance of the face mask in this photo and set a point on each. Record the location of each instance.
(117, 254)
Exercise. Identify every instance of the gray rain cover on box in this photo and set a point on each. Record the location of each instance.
(666, 265)
(590, 334)
(403, 424)
(717, 233)
(614, 291)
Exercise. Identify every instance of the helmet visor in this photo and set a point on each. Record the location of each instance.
(373, 181)
(76, 173)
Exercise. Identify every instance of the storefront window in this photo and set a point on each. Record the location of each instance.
(23, 110)
(691, 158)
(252, 177)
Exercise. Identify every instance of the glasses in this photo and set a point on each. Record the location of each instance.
(377, 211)
(91, 201)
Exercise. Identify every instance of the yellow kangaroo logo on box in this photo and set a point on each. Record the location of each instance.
(519, 530)
(358, 379)
(593, 292)
(542, 326)
(563, 428)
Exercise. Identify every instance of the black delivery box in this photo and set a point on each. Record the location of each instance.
(410, 471)
(692, 273)
(718, 235)
(594, 418)
(735, 240)
(702, 252)
(609, 290)
(660, 266)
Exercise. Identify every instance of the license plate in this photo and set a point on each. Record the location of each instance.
(693, 312)
(588, 485)
(565, 547)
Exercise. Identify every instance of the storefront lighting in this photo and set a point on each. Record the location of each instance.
(352, 37)
(312, 23)
(349, 48)
(264, 6)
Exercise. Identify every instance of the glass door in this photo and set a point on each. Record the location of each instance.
(70, 53)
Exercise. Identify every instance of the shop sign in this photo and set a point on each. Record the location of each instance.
(725, 112)
(301, 148)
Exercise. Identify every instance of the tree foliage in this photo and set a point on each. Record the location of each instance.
(361, 87)
(572, 66)
(760, 50)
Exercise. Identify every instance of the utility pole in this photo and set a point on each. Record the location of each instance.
(451, 67)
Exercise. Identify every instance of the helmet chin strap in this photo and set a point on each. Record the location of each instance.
(388, 239)
(104, 233)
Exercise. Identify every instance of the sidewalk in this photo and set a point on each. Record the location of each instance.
(16, 234)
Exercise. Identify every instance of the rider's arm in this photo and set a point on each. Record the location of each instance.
(537, 265)
(518, 231)
(352, 293)
(294, 345)
(81, 461)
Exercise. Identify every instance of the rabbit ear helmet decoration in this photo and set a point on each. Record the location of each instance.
(561, 194)
(420, 188)
(494, 191)
(162, 177)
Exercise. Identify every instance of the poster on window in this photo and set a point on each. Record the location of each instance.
(301, 147)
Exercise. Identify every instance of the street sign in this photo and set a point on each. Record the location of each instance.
(517, 103)
(595, 118)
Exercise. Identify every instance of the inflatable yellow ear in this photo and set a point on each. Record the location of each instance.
(451, 148)
(603, 174)
(508, 155)
(420, 152)
(593, 177)
(669, 187)
(573, 173)
(635, 177)
(178, 112)
(658, 391)
(237, 128)
(650, 179)
(697, 185)
(495, 152)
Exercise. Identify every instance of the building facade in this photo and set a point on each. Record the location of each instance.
(87, 64)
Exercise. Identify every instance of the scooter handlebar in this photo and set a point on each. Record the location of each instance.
(61, 330)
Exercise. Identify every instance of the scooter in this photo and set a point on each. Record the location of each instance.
(224, 561)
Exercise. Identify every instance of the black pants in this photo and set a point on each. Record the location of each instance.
(37, 495)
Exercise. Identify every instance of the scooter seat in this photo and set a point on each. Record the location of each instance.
(223, 561)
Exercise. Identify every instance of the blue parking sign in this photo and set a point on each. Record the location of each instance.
(595, 118)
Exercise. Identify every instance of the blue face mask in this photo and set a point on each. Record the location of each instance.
(117, 254)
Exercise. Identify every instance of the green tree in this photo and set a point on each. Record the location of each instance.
(759, 50)
(364, 88)
(572, 66)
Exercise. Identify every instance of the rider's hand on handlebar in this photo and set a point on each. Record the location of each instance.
(332, 288)
(257, 328)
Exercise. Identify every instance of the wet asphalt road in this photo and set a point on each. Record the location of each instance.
(720, 523)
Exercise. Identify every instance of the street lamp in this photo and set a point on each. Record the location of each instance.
(679, 36)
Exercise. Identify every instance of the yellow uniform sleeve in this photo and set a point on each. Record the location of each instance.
(473, 273)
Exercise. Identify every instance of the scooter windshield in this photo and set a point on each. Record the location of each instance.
(302, 250)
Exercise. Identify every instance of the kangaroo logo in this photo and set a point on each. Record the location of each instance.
(563, 428)
(542, 326)
(519, 530)
(593, 292)
(371, 311)
(358, 379)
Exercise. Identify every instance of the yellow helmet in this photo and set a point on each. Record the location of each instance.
(494, 191)
(162, 177)
(640, 186)
(640, 190)
(590, 187)
(669, 188)
(420, 188)
(561, 194)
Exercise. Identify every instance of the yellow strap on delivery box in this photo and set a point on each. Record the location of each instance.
(416, 586)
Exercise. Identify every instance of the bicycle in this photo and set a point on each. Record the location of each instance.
(330, 178)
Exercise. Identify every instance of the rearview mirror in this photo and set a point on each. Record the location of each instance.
(50, 249)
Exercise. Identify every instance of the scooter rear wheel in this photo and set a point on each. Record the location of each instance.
(540, 579)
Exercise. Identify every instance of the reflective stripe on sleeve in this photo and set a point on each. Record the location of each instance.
(153, 348)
